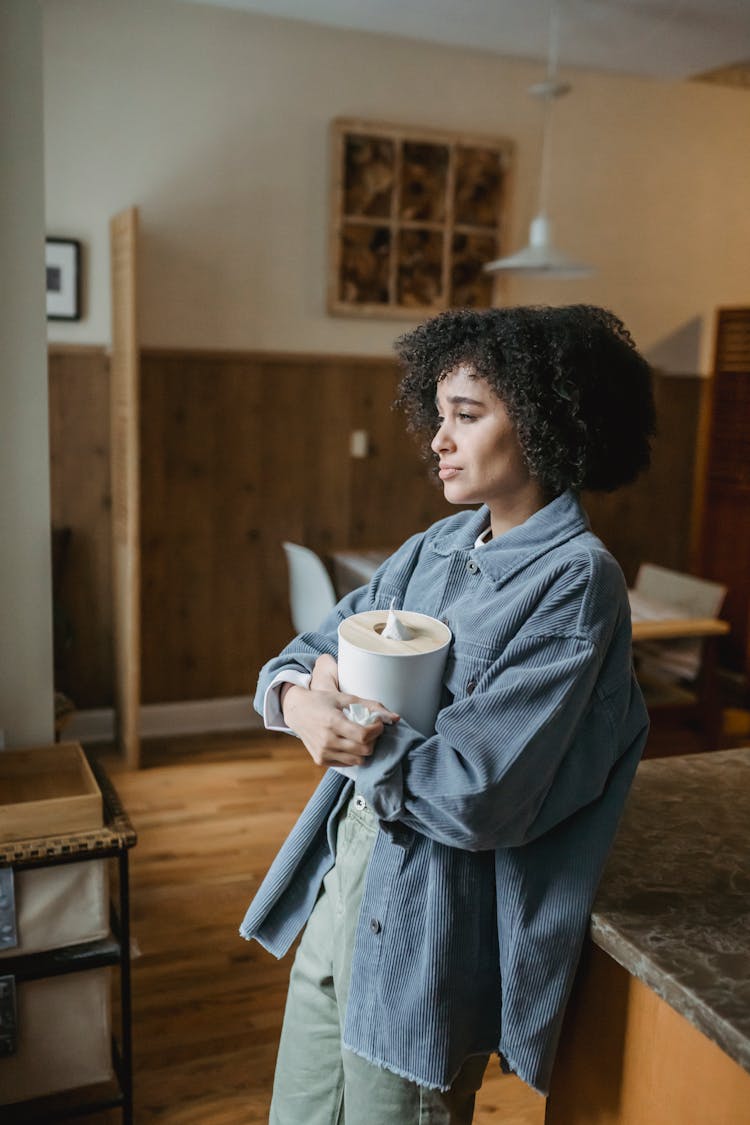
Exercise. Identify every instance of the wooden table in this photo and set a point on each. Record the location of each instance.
(674, 628)
(698, 700)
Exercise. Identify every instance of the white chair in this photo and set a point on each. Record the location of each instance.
(311, 592)
(659, 593)
(678, 677)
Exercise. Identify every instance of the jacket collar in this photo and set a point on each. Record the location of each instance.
(560, 520)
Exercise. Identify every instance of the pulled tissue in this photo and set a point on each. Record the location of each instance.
(358, 713)
(361, 714)
(395, 630)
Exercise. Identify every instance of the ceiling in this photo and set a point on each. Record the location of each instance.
(670, 39)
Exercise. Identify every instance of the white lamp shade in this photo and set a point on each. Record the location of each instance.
(540, 256)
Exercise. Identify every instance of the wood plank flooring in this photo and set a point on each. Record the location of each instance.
(210, 814)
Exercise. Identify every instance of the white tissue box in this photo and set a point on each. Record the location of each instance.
(63, 1036)
(64, 904)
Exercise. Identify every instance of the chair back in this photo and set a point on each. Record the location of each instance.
(694, 597)
(656, 589)
(311, 592)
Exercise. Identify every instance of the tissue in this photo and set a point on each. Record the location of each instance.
(395, 629)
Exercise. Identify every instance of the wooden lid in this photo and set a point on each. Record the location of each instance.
(363, 630)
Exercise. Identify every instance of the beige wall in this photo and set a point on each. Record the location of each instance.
(26, 708)
(215, 123)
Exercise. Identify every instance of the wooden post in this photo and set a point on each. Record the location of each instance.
(124, 416)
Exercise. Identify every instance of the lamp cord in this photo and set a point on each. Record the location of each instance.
(549, 91)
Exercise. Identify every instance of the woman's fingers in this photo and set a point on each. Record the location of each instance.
(338, 752)
(372, 705)
(329, 735)
(381, 709)
(356, 735)
(325, 677)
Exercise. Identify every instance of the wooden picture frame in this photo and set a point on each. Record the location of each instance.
(415, 214)
(62, 259)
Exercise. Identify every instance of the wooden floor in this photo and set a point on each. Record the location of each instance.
(210, 813)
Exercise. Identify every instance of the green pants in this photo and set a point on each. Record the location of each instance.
(318, 1082)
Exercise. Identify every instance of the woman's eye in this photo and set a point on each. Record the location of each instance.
(468, 417)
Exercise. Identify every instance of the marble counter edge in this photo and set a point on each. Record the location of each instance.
(683, 1000)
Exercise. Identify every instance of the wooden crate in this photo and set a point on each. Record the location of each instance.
(46, 791)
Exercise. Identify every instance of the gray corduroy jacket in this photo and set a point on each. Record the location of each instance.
(494, 831)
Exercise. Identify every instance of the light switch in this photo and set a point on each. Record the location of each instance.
(359, 443)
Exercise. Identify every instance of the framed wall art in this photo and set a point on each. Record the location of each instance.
(415, 215)
(63, 270)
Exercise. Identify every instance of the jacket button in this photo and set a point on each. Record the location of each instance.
(470, 686)
(472, 567)
(375, 925)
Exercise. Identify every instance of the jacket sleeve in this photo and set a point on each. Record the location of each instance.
(531, 745)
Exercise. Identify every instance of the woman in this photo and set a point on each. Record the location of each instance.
(447, 890)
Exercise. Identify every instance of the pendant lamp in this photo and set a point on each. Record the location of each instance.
(540, 256)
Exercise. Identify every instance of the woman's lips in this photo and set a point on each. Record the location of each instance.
(447, 472)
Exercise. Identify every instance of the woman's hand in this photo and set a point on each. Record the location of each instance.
(325, 674)
(316, 716)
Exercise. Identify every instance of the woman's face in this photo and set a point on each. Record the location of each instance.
(480, 459)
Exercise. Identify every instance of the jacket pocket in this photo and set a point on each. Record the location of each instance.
(466, 665)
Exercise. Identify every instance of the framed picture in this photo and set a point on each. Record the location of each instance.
(63, 267)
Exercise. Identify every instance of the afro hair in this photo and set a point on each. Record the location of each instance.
(576, 389)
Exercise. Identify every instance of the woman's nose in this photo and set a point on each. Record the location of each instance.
(438, 441)
(441, 440)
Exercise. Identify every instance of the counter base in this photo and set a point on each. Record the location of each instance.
(626, 1057)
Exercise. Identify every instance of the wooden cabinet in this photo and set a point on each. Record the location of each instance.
(627, 1058)
(723, 551)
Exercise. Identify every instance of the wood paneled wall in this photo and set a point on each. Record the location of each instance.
(240, 451)
(80, 500)
(650, 520)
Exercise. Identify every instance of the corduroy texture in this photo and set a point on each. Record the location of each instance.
(316, 1082)
(494, 831)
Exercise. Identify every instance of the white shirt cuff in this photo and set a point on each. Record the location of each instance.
(273, 716)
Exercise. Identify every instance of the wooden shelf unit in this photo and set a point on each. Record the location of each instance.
(113, 841)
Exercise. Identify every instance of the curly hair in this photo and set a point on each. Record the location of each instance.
(576, 389)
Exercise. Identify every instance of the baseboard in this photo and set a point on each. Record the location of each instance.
(159, 720)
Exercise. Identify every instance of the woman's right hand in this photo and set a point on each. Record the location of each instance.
(331, 739)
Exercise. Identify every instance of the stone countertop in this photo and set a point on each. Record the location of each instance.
(673, 907)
